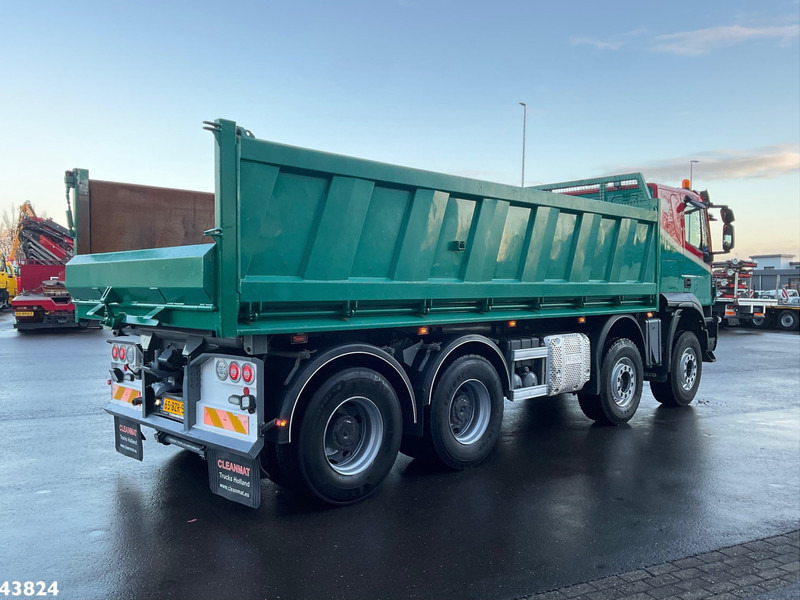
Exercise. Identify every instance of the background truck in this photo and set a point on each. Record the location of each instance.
(42, 248)
(736, 302)
(329, 311)
(781, 310)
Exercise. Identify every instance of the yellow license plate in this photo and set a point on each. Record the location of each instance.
(23, 313)
(172, 406)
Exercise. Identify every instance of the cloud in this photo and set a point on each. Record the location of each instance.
(762, 163)
(702, 41)
(599, 44)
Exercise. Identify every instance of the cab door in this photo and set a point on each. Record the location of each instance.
(696, 268)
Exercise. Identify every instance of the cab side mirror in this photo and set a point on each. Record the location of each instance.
(728, 237)
(727, 215)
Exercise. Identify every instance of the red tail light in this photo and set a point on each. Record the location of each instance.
(114, 352)
(122, 353)
(247, 373)
(233, 371)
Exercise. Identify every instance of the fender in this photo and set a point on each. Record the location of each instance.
(326, 358)
(686, 303)
(681, 300)
(432, 371)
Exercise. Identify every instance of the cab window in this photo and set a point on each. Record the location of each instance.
(695, 231)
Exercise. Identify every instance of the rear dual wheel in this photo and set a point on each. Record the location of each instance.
(347, 440)
(465, 416)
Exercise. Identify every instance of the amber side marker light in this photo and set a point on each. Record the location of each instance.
(423, 331)
(649, 315)
(300, 338)
(281, 422)
(512, 323)
(581, 319)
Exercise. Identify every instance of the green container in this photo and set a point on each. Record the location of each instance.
(307, 241)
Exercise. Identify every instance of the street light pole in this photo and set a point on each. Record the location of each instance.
(524, 124)
(691, 171)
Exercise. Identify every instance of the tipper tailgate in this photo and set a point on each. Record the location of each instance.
(160, 286)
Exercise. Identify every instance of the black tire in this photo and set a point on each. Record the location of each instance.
(758, 322)
(683, 380)
(787, 320)
(621, 376)
(466, 413)
(348, 437)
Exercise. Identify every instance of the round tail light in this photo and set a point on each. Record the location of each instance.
(114, 352)
(222, 370)
(234, 371)
(247, 373)
(122, 353)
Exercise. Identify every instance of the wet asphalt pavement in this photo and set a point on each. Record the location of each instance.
(560, 501)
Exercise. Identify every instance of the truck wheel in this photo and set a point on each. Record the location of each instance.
(466, 412)
(758, 322)
(787, 320)
(621, 376)
(349, 436)
(684, 379)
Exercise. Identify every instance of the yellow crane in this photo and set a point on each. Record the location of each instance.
(9, 284)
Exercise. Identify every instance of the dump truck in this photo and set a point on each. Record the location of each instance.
(328, 312)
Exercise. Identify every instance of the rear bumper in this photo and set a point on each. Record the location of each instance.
(200, 439)
(66, 321)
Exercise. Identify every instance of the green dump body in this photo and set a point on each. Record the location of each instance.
(306, 241)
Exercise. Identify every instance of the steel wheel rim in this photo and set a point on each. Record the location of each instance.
(688, 366)
(623, 382)
(787, 321)
(353, 435)
(469, 410)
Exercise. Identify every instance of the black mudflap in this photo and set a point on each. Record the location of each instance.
(234, 477)
(128, 438)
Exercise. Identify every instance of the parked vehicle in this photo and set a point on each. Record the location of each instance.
(343, 310)
(42, 301)
(736, 303)
(781, 310)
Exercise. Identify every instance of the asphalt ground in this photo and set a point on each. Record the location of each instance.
(561, 502)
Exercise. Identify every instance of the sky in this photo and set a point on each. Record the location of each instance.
(121, 88)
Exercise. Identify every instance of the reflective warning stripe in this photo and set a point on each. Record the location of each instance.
(124, 394)
(226, 420)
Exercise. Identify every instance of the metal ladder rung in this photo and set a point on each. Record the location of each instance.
(528, 392)
(529, 353)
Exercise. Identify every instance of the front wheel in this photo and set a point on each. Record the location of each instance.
(787, 320)
(621, 376)
(349, 436)
(684, 378)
